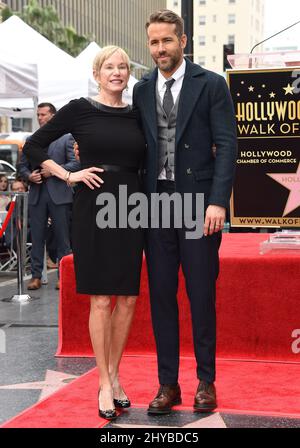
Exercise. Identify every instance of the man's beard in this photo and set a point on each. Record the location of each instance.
(171, 64)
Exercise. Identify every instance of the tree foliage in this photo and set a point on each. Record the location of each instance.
(47, 22)
(5, 13)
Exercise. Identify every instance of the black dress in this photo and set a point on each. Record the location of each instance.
(107, 261)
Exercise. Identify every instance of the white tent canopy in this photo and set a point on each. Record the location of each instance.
(88, 54)
(58, 78)
(85, 64)
(20, 81)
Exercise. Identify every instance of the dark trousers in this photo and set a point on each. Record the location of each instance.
(60, 217)
(166, 250)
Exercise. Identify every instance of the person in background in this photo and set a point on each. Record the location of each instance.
(4, 200)
(48, 197)
(17, 186)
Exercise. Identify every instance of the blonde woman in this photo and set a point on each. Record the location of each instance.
(107, 261)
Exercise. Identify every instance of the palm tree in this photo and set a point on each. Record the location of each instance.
(5, 14)
(72, 43)
(44, 20)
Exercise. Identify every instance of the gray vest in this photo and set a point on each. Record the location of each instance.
(166, 134)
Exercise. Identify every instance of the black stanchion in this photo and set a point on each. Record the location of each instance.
(20, 212)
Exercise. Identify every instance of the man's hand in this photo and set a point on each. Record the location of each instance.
(214, 219)
(45, 173)
(76, 151)
(35, 177)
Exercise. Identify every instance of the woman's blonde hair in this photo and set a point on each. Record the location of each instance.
(105, 53)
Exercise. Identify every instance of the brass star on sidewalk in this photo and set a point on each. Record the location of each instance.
(53, 381)
(289, 89)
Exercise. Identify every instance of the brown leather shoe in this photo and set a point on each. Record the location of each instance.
(166, 398)
(57, 286)
(35, 283)
(205, 398)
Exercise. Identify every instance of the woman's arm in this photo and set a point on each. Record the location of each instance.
(36, 147)
(63, 122)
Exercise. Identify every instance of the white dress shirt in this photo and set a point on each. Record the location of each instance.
(176, 87)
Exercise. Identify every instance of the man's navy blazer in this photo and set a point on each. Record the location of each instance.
(62, 152)
(205, 118)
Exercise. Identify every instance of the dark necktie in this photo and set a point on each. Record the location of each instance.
(168, 101)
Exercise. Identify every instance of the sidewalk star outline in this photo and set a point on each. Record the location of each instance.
(53, 382)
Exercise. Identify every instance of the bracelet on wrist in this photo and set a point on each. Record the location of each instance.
(69, 183)
(67, 178)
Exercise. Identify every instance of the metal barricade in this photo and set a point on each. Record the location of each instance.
(19, 256)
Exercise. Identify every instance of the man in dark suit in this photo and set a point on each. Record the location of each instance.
(49, 197)
(185, 111)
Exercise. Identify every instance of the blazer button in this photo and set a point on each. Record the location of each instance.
(144, 171)
(187, 146)
(189, 171)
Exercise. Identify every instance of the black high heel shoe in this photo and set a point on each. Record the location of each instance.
(109, 414)
(122, 403)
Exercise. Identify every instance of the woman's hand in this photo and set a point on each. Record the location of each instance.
(87, 176)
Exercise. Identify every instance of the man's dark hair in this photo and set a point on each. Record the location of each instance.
(51, 107)
(19, 179)
(167, 16)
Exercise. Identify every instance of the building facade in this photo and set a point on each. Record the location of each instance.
(118, 22)
(3, 120)
(222, 22)
(2, 5)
